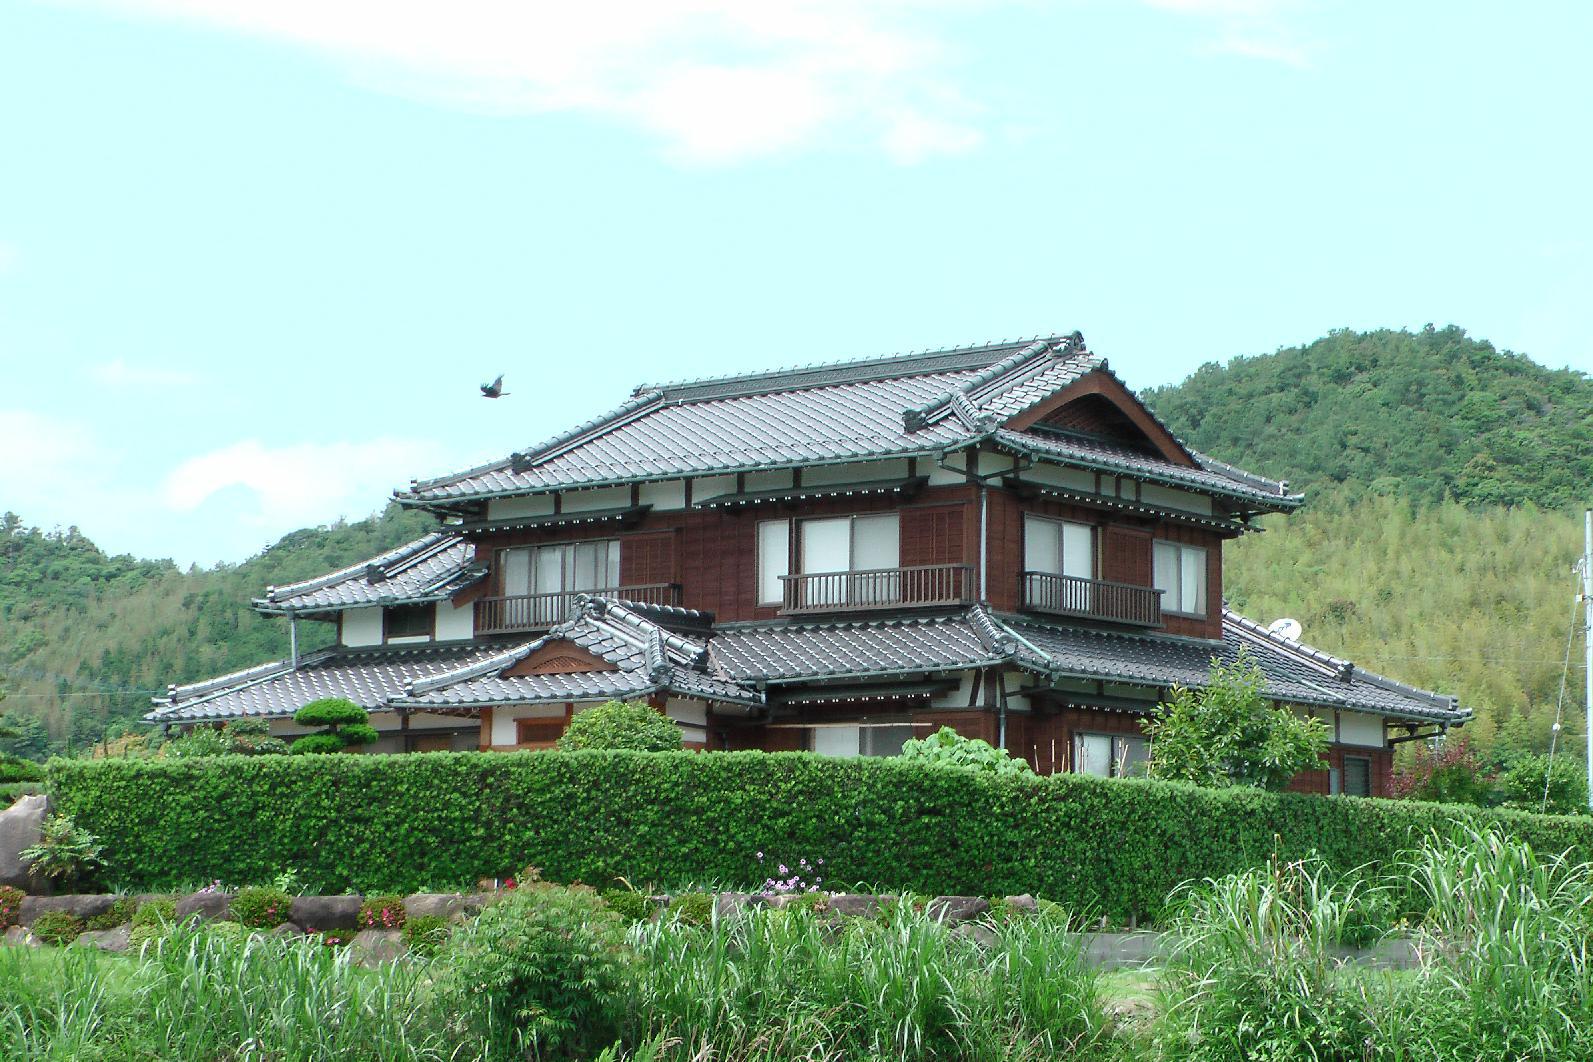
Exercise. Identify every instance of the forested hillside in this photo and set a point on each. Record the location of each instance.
(1445, 481)
(85, 638)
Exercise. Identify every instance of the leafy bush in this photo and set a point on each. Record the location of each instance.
(57, 927)
(14, 769)
(261, 907)
(629, 904)
(425, 934)
(119, 914)
(1449, 774)
(346, 725)
(382, 912)
(153, 920)
(1109, 846)
(1532, 783)
(948, 748)
(238, 737)
(631, 726)
(540, 973)
(1227, 733)
(10, 905)
(65, 854)
(692, 908)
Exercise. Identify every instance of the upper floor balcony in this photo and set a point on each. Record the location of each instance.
(919, 585)
(1072, 595)
(532, 612)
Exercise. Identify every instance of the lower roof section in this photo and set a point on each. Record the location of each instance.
(633, 652)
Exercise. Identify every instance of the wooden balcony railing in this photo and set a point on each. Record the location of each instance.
(1071, 595)
(927, 584)
(530, 612)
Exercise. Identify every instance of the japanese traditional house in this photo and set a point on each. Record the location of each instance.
(1001, 539)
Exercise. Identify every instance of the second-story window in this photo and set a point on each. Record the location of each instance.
(408, 621)
(1058, 547)
(552, 574)
(774, 560)
(1181, 576)
(845, 545)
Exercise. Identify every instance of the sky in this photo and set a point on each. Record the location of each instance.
(255, 257)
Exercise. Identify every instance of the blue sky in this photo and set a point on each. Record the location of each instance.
(255, 257)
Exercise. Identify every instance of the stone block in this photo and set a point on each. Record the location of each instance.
(85, 906)
(325, 912)
(20, 827)
(372, 946)
(958, 908)
(104, 939)
(206, 907)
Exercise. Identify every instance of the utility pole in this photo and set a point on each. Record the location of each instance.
(1587, 643)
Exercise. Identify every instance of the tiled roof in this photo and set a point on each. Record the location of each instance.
(777, 652)
(368, 677)
(913, 405)
(431, 568)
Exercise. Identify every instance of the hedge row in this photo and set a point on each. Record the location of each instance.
(375, 823)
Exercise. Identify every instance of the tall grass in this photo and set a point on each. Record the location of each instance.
(789, 984)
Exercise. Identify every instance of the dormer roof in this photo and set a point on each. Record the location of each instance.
(915, 405)
(433, 567)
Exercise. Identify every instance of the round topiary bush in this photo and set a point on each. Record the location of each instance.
(346, 723)
(622, 725)
(260, 907)
(315, 744)
(629, 904)
(57, 927)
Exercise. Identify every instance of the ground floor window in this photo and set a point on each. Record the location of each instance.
(1357, 776)
(875, 740)
(1110, 755)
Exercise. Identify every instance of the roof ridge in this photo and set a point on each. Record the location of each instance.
(411, 550)
(495, 662)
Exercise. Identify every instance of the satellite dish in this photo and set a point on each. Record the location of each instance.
(1286, 628)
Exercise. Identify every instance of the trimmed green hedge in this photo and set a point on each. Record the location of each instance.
(401, 823)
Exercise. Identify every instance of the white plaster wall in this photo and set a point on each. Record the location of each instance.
(503, 719)
(585, 501)
(1057, 476)
(957, 698)
(712, 487)
(1360, 728)
(854, 472)
(1168, 497)
(455, 623)
(362, 626)
(774, 479)
(995, 464)
(663, 496)
(939, 476)
(684, 711)
(526, 505)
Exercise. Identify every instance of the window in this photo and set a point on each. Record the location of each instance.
(774, 560)
(538, 733)
(852, 544)
(548, 573)
(1110, 755)
(408, 621)
(1058, 547)
(1357, 776)
(1181, 575)
(872, 740)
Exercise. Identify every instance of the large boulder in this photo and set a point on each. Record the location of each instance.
(958, 908)
(855, 904)
(325, 912)
(450, 906)
(84, 906)
(105, 939)
(372, 946)
(206, 906)
(21, 938)
(20, 827)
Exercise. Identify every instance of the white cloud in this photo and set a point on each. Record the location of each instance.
(118, 373)
(717, 80)
(1252, 29)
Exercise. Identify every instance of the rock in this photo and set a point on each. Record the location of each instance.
(980, 933)
(957, 908)
(105, 939)
(85, 906)
(446, 905)
(286, 931)
(19, 937)
(206, 906)
(476, 902)
(20, 826)
(726, 903)
(325, 912)
(372, 946)
(1025, 905)
(854, 904)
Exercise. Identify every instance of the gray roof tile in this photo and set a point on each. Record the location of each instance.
(431, 568)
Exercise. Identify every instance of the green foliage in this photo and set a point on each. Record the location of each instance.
(629, 904)
(10, 905)
(57, 927)
(1227, 733)
(425, 934)
(238, 737)
(540, 973)
(621, 725)
(331, 712)
(65, 854)
(261, 907)
(693, 908)
(316, 745)
(382, 912)
(120, 913)
(947, 748)
(13, 769)
(153, 920)
(403, 823)
(1532, 784)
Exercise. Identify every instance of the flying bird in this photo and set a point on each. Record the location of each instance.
(494, 389)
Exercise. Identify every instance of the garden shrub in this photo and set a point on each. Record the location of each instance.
(152, 920)
(948, 748)
(693, 908)
(10, 905)
(14, 769)
(119, 914)
(622, 725)
(57, 927)
(66, 854)
(425, 934)
(382, 912)
(629, 904)
(541, 973)
(1111, 847)
(346, 725)
(262, 906)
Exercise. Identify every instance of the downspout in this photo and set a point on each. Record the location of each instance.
(293, 638)
(984, 543)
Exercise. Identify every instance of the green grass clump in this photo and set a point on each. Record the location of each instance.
(57, 927)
